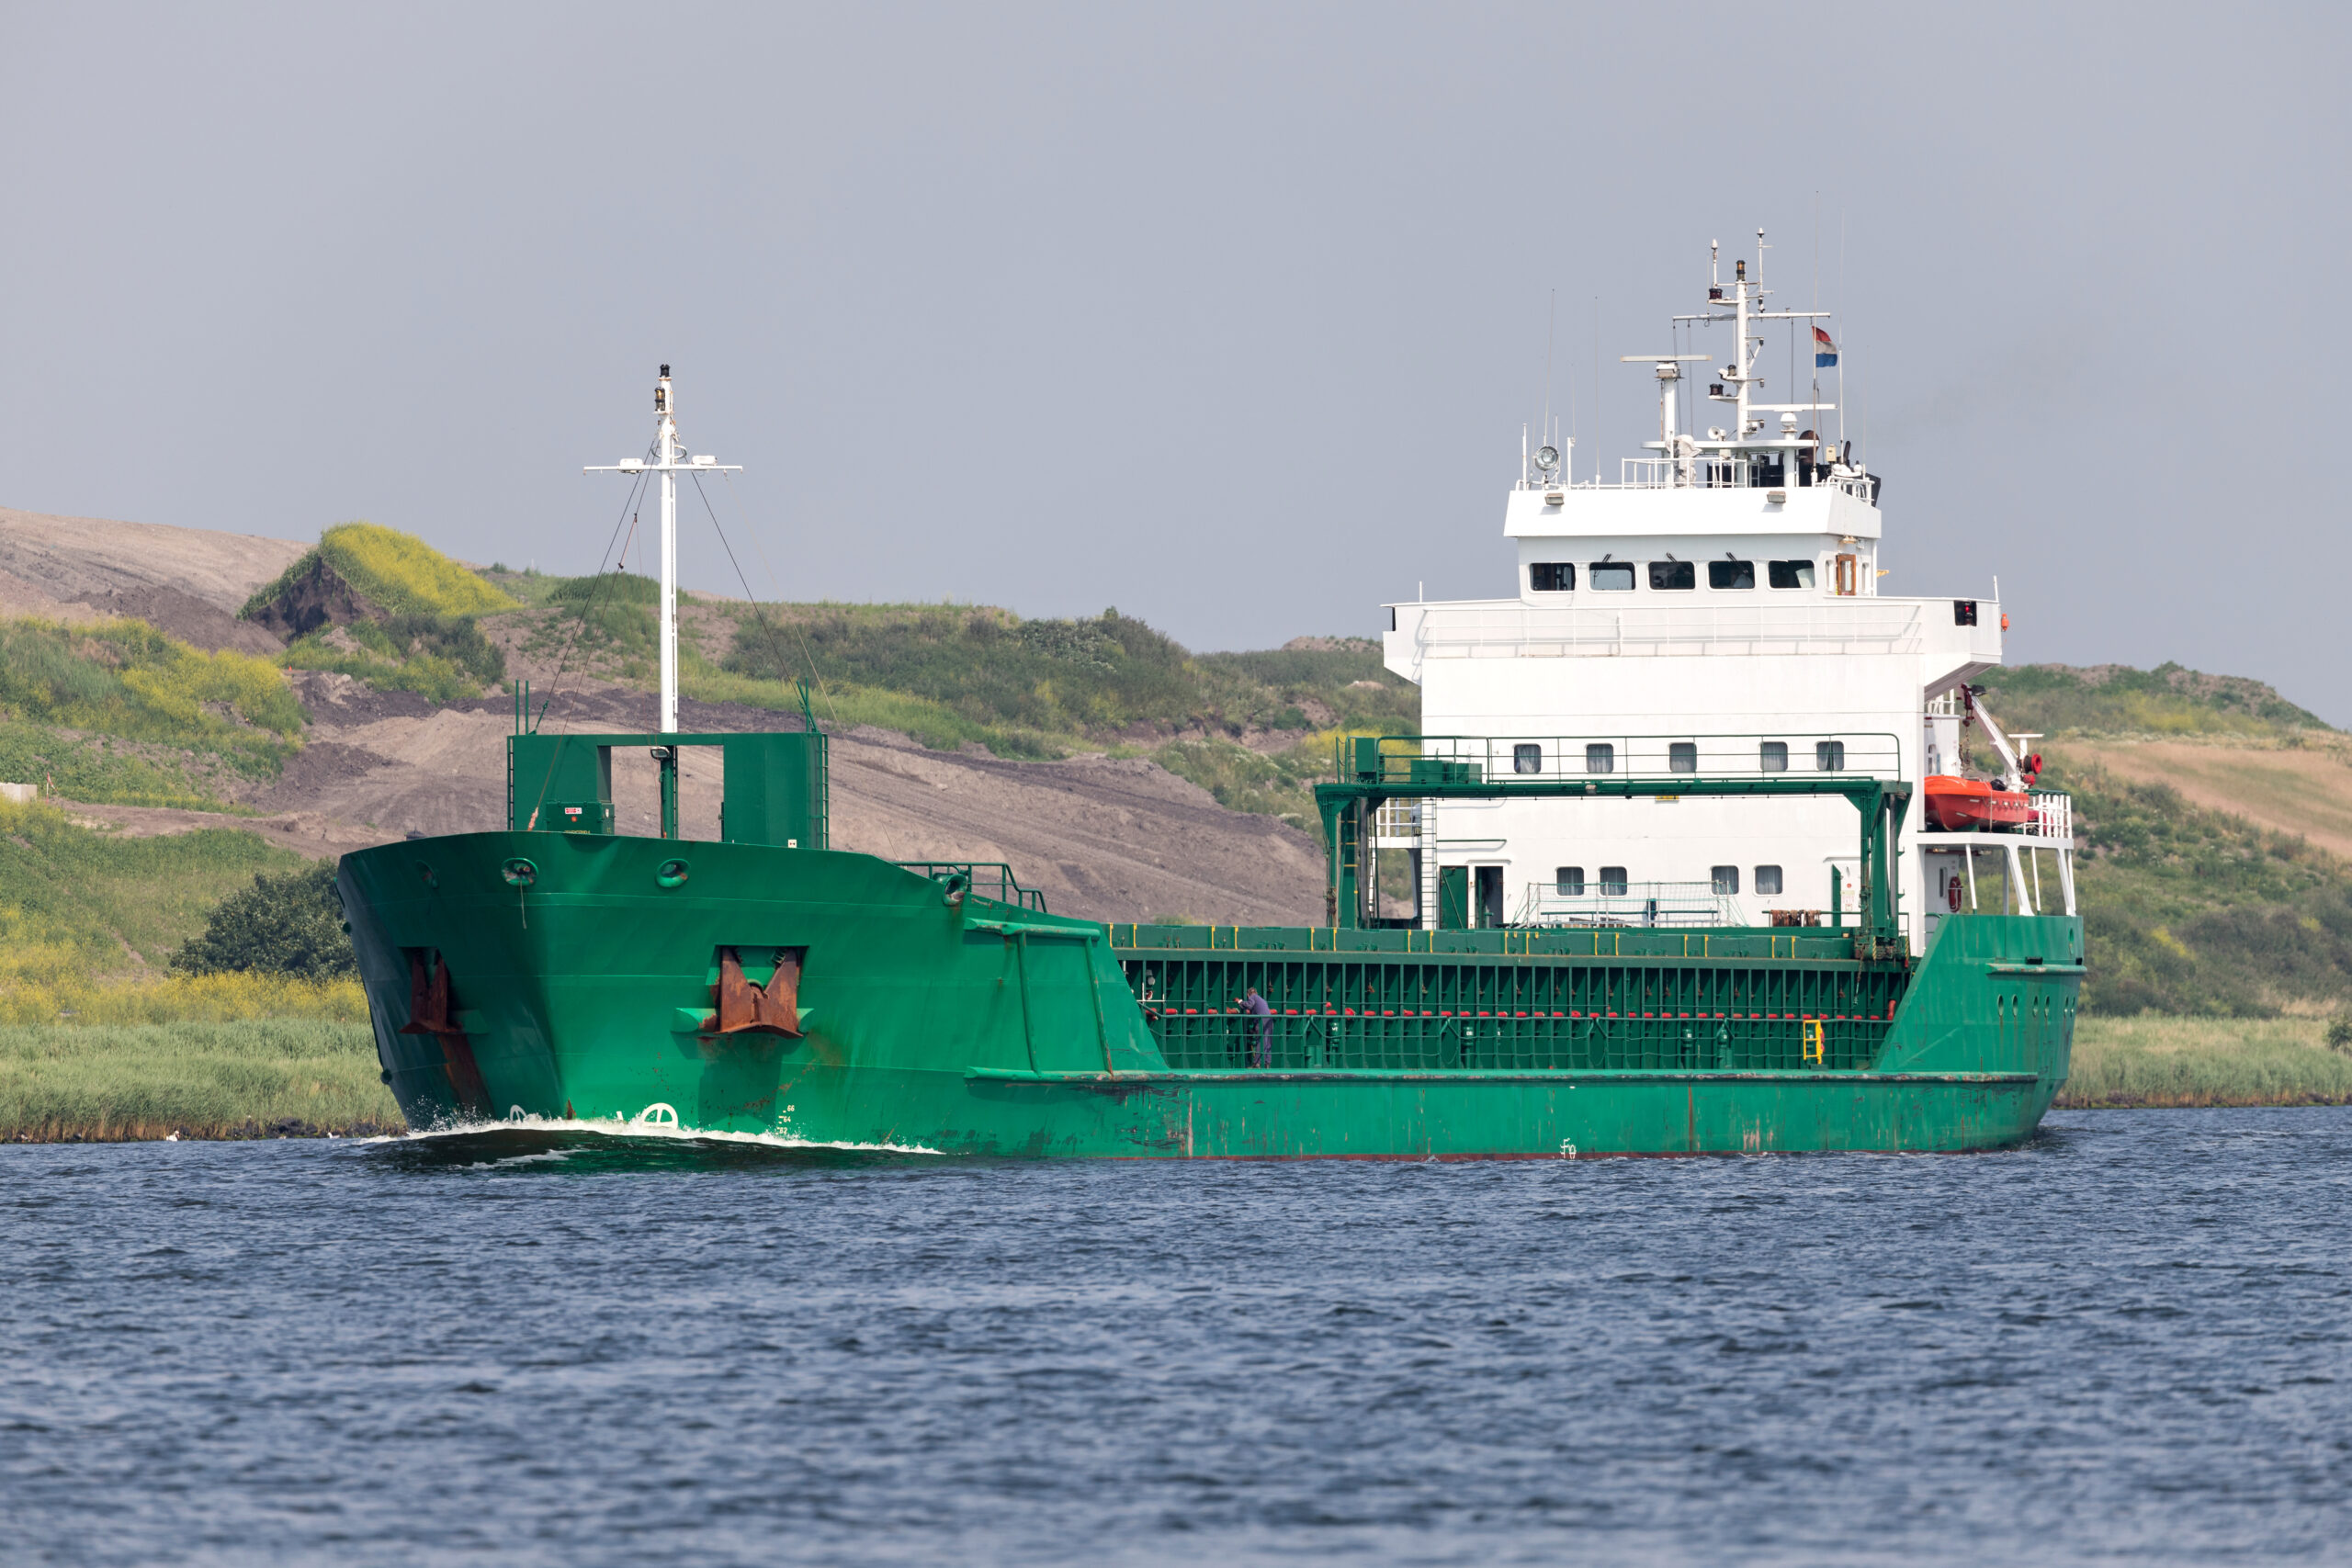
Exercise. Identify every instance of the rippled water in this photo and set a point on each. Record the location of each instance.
(2128, 1340)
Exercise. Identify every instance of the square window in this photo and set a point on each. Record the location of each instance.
(1600, 758)
(1612, 881)
(1768, 879)
(1551, 575)
(1791, 574)
(1611, 576)
(1726, 878)
(1829, 756)
(1569, 881)
(1527, 759)
(1772, 757)
(1673, 575)
(1683, 756)
(1731, 574)
(1963, 611)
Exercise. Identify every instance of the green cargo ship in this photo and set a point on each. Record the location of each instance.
(767, 984)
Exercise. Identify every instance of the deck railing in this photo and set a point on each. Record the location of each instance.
(1816, 624)
(1507, 759)
(982, 879)
(1629, 904)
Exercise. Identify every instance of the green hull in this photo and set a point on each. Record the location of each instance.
(971, 1026)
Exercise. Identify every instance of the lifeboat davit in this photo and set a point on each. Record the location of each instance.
(1959, 806)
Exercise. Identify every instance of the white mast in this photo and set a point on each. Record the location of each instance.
(667, 464)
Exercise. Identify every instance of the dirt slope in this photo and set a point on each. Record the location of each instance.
(2304, 790)
(188, 581)
(1107, 839)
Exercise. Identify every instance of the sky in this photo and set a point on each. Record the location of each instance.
(1227, 316)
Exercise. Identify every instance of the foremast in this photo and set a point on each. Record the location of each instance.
(667, 460)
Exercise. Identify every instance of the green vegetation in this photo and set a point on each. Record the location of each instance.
(2206, 1061)
(117, 711)
(99, 768)
(88, 920)
(398, 573)
(2114, 699)
(952, 676)
(439, 657)
(199, 1080)
(287, 924)
(2187, 911)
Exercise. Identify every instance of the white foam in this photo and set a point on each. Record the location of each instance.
(614, 1127)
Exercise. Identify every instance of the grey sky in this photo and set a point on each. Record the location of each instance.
(1228, 316)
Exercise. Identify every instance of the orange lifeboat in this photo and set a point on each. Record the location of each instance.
(1960, 806)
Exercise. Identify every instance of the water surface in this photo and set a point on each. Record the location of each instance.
(2128, 1340)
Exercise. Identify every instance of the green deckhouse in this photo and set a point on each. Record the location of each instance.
(766, 982)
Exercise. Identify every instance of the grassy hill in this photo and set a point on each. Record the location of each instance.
(116, 710)
(2115, 699)
(2215, 817)
(88, 920)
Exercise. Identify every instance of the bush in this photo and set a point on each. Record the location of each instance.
(289, 924)
(440, 657)
(2339, 1034)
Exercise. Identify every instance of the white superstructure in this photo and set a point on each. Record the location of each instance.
(1714, 609)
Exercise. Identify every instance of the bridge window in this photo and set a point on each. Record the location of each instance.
(1527, 759)
(1612, 881)
(1569, 881)
(1829, 756)
(1772, 757)
(1791, 574)
(1726, 878)
(1551, 576)
(1673, 575)
(1683, 756)
(1601, 757)
(1768, 879)
(1731, 574)
(1611, 576)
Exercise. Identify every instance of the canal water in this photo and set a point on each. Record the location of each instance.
(2130, 1340)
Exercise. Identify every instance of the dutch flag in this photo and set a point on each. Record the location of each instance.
(1825, 353)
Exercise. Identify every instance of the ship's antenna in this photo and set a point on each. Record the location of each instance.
(1816, 321)
(1596, 389)
(1551, 318)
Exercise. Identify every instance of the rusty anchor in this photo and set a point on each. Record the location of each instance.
(745, 1007)
(430, 1012)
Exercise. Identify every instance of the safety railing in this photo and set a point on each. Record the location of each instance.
(1629, 904)
(1820, 624)
(1397, 824)
(1504, 759)
(982, 879)
(2053, 812)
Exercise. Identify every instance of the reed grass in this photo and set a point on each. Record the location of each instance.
(258, 1078)
(2157, 1061)
(42, 983)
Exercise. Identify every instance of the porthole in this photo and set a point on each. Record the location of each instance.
(671, 873)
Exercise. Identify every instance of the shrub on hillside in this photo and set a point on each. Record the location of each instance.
(289, 924)
(440, 657)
